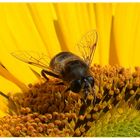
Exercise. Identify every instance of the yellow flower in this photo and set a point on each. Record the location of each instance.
(54, 27)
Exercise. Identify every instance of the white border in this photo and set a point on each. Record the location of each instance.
(73, 138)
(70, 1)
(81, 138)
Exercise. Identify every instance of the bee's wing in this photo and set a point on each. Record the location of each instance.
(87, 46)
(33, 58)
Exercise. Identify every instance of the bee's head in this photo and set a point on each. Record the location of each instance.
(83, 83)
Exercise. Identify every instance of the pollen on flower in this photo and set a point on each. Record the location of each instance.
(43, 110)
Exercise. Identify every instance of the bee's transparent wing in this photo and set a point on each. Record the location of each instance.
(87, 46)
(33, 58)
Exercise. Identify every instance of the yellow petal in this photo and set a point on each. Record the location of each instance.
(72, 25)
(125, 34)
(103, 12)
(43, 16)
(18, 32)
(6, 74)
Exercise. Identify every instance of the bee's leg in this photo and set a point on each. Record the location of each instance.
(44, 75)
(64, 98)
(64, 92)
(85, 102)
(83, 107)
(59, 83)
(68, 89)
(44, 72)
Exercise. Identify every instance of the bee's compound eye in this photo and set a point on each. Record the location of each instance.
(90, 80)
(76, 86)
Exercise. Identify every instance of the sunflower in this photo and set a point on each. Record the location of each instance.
(32, 106)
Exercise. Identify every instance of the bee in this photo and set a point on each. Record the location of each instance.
(74, 71)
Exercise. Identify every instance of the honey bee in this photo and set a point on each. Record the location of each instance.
(74, 71)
